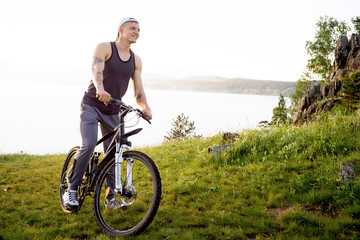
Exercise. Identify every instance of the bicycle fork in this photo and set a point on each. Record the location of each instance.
(118, 161)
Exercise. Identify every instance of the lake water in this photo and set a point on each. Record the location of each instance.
(44, 118)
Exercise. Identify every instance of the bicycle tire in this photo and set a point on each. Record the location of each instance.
(64, 182)
(146, 190)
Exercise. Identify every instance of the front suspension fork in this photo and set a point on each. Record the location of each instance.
(118, 161)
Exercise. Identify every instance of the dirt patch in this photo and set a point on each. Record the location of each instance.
(278, 212)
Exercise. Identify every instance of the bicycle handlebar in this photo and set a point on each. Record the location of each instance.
(120, 103)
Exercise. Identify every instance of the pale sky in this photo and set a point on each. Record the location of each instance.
(257, 39)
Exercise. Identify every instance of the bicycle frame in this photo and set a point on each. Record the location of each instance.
(118, 144)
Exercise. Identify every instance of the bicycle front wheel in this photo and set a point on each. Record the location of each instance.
(140, 198)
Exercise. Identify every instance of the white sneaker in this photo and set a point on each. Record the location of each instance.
(112, 204)
(70, 199)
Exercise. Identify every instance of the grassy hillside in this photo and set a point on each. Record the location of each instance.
(277, 183)
(224, 85)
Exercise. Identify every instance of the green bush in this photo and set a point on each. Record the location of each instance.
(351, 89)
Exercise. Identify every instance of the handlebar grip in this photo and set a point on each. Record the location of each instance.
(144, 116)
(113, 101)
(116, 102)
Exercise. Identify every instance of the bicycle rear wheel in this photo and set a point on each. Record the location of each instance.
(66, 175)
(139, 200)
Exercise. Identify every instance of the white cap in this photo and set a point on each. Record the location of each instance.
(125, 20)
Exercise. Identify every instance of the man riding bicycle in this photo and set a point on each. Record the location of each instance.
(113, 65)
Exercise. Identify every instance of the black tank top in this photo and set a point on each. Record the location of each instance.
(117, 74)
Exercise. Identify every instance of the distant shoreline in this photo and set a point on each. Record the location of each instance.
(245, 91)
(223, 85)
(210, 84)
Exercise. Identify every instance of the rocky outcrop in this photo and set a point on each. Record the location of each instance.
(320, 97)
(316, 99)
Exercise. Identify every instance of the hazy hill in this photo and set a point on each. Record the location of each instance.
(223, 85)
(160, 82)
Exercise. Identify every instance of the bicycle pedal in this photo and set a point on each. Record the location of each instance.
(72, 210)
(76, 210)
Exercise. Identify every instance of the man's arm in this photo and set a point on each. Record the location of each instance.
(139, 92)
(97, 70)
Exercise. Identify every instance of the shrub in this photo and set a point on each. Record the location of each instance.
(182, 129)
(351, 89)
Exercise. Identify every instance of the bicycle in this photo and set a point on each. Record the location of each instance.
(137, 181)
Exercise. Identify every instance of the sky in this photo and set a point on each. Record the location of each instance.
(257, 39)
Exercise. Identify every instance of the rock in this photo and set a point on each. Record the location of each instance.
(334, 88)
(324, 90)
(347, 172)
(304, 109)
(341, 53)
(338, 75)
(227, 141)
(229, 137)
(216, 151)
(314, 93)
(353, 59)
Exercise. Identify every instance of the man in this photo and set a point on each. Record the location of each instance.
(113, 65)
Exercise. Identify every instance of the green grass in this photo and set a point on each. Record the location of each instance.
(277, 183)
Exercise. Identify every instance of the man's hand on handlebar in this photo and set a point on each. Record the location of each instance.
(103, 96)
(148, 113)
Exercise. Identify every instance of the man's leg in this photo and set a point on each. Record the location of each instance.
(107, 125)
(89, 130)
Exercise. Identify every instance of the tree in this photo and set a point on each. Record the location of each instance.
(323, 47)
(301, 86)
(280, 115)
(181, 129)
(351, 88)
(356, 22)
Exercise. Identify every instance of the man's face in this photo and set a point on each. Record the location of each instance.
(130, 31)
